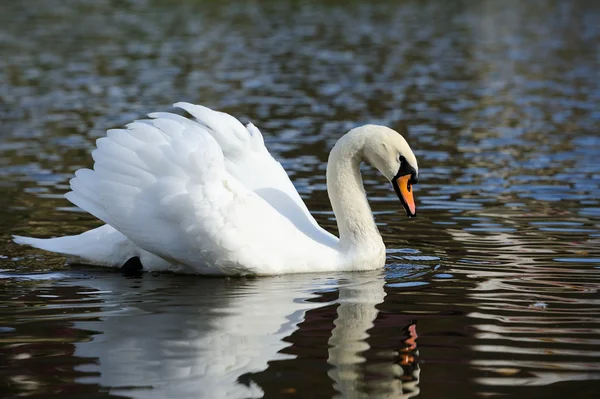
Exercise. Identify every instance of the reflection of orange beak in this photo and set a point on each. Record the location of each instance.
(404, 191)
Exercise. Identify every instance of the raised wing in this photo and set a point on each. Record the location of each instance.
(248, 160)
(165, 184)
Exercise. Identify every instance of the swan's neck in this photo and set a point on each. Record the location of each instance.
(355, 221)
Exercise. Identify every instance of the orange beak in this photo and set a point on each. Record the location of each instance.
(403, 188)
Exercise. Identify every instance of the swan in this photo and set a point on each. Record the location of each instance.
(203, 195)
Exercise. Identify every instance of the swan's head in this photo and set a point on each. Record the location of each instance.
(389, 152)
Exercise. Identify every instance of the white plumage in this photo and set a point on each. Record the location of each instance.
(204, 196)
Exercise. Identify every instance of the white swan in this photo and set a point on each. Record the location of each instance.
(204, 196)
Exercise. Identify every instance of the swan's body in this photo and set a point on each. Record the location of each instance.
(205, 196)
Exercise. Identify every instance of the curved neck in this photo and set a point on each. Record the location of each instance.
(347, 194)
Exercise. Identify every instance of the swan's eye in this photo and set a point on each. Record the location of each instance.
(401, 159)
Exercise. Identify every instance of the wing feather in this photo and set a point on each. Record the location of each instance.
(189, 192)
(249, 161)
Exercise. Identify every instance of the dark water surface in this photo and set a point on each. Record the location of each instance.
(492, 290)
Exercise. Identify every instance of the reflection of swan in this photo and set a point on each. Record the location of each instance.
(198, 342)
(356, 314)
(205, 196)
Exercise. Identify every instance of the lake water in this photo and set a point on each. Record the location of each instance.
(491, 291)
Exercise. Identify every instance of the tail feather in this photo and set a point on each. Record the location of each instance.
(101, 246)
(62, 245)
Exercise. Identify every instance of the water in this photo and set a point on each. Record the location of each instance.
(492, 290)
